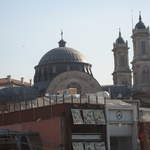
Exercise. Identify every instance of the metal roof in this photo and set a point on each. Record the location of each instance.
(62, 54)
(140, 25)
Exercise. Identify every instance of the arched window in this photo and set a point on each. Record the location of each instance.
(39, 75)
(87, 70)
(145, 76)
(122, 61)
(54, 69)
(68, 68)
(125, 83)
(143, 47)
(45, 74)
(24, 143)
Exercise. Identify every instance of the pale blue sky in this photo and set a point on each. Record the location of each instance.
(29, 28)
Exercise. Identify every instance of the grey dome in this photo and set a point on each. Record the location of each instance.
(62, 54)
(57, 61)
(120, 39)
(140, 24)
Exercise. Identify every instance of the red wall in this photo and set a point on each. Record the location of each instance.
(49, 130)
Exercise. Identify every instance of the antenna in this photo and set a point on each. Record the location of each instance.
(119, 32)
(140, 18)
(132, 17)
(61, 34)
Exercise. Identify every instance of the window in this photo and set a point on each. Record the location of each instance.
(122, 61)
(145, 76)
(54, 69)
(68, 67)
(39, 75)
(125, 83)
(24, 143)
(45, 74)
(143, 47)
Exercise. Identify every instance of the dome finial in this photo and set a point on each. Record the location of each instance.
(140, 24)
(119, 32)
(62, 43)
(140, 18)
(120, 39)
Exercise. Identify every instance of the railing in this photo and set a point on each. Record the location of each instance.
(51, 100)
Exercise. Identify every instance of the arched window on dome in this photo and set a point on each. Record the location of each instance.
(84, 68)
(68, 68)
(90, 71)
(45, 74)
(87, 70)
(54, 69)
(39, 75)
(81, 68)
(35, 76)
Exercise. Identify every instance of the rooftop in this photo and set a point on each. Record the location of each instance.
(9, 80)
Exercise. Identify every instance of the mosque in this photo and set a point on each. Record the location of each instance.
(64, 67)
(60, 68)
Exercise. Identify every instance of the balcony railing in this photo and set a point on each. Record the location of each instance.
(51, 100)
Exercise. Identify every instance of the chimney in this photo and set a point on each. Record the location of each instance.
(22, 80)
(9, 78)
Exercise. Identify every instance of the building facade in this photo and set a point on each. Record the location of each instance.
(97, 124)
(10, 82)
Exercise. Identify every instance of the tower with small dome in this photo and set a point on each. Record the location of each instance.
(122, 72)
(141, 56)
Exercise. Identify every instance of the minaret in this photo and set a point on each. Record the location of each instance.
(141, 56)
(122, 72)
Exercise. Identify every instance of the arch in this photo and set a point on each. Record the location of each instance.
(24, 143)
(143, 47)
(145, 75)
(68, 68)
(73, 78)
(54, 69)
(122, 60)
(39, 75)
(45, 74)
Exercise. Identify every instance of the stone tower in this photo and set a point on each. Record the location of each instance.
(141, 56)
(122, 72)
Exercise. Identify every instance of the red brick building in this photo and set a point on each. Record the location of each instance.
(62, 126)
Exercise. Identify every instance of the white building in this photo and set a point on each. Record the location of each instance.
(122, 119)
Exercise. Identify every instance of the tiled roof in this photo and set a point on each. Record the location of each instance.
(7, 81)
